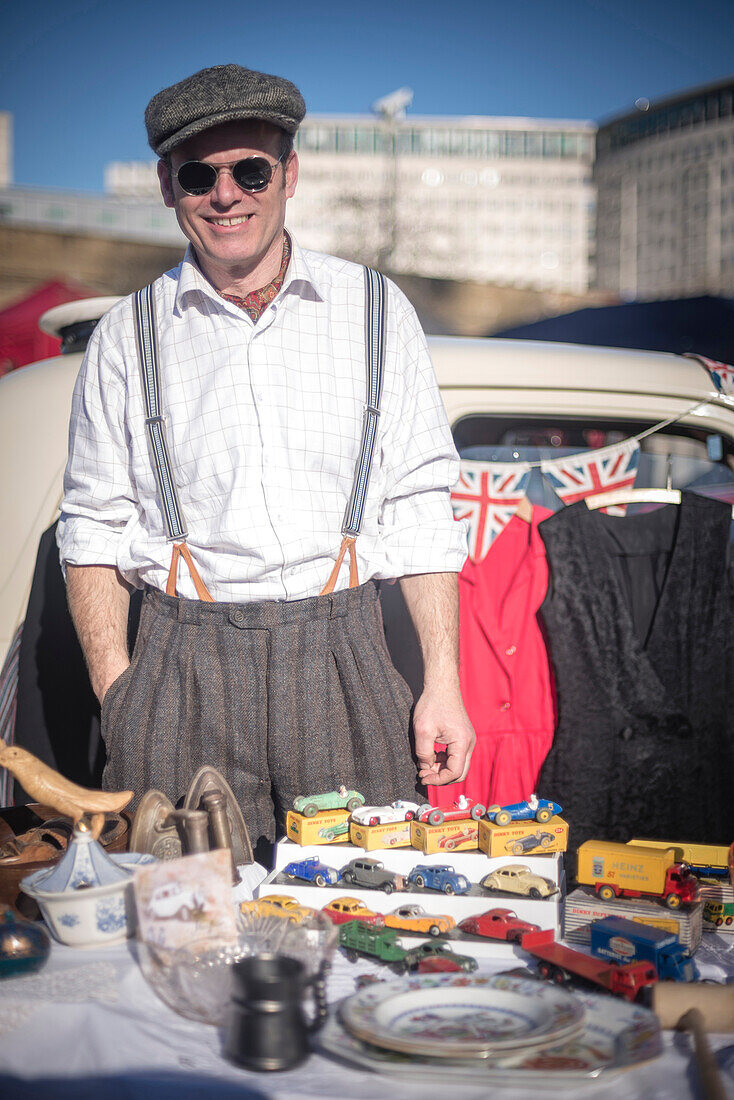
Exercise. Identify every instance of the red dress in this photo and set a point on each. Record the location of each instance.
(504, 669)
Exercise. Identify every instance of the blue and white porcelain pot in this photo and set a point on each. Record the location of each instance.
(86, 898)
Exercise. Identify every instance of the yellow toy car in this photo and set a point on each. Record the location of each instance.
(414, 918)
(277, 905)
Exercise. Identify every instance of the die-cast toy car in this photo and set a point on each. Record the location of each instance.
(345, 908)
(539, 809)
(497, 924)
(437, 950)
(383, 815)
(438, 876)
(310, 804)
(414, 918)
(462, 808)
(371, 874)
(517, 878)
(313, 870)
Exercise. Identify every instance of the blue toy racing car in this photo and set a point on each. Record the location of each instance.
(539, 809)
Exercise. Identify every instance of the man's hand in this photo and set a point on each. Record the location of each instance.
(441, 718)
(101, 683)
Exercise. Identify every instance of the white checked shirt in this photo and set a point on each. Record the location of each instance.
(263, 424)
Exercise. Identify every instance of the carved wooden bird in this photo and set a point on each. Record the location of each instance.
(49, 787)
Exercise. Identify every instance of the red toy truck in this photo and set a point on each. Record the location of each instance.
(627, 870)
(560, 963)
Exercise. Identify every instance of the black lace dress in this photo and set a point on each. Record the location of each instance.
(639, 618)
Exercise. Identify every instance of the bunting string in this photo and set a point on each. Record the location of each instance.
(488, 494)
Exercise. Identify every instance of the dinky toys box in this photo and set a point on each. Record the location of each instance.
(327, 827)
(582, 906)
(450, 836)
(393, 834)
(522, 838)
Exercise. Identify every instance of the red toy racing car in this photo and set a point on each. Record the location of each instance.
(462, 808)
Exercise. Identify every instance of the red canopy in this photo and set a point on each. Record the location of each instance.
(21, 340)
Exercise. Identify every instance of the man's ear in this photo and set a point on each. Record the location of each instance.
(165, 179)
(291, 175)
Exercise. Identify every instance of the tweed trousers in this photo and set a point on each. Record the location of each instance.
(285, 698)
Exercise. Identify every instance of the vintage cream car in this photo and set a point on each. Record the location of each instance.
(505, 399)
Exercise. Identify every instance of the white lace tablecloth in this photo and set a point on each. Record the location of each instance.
(89, 1026)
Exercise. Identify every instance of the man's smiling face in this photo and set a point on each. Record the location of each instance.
(237, 236)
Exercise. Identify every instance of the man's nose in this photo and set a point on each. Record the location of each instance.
(225, 190)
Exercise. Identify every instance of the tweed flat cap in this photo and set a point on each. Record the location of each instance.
(223, 93)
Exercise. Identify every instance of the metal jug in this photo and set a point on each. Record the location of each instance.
(267, 1027)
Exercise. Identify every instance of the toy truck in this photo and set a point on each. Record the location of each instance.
(561, 964)
(625, 870)
(703, 859)
(627, 941)
(379, 944)
(718, 912)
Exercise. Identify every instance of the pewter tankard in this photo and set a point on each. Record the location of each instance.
(267, 1027)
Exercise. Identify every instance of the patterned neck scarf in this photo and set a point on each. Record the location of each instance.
(255, 303)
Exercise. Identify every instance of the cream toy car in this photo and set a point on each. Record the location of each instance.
(517, 878)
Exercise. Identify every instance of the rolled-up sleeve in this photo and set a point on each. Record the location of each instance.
(98, 499)
(420, 465)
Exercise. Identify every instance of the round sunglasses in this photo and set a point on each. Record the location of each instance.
(195, 177)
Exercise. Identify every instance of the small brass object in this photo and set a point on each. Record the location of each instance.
(194, 827)
(215, 804)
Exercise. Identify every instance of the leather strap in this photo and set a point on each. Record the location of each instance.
(181, 550)
(347, 545)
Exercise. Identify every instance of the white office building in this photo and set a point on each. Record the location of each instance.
(665, 197)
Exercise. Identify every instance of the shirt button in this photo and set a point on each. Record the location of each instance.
(505, 706)
(511, 651)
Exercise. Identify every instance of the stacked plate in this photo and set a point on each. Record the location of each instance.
(493, 1029)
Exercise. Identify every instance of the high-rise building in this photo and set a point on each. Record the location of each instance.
(665, 196)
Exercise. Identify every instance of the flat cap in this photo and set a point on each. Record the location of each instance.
(224, 93)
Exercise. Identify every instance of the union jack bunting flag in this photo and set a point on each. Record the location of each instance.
(722, 375)
(487, 494)
(580, 476)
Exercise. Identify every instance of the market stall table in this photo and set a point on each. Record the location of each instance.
(88, 1025)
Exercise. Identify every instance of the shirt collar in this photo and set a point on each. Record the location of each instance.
(298, 278)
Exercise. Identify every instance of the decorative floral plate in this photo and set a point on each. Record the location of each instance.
(450, 1015)
(615, 1036)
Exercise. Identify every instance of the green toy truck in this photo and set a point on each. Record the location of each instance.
(380, 944)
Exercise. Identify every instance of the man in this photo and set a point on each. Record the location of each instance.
(244, 659)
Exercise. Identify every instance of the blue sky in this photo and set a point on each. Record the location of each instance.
(77, 74)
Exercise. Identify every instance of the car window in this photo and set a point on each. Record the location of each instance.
(683, 456)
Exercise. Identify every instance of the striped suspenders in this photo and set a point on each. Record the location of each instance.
(146, 339)
(147, 347)
(375, 309)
